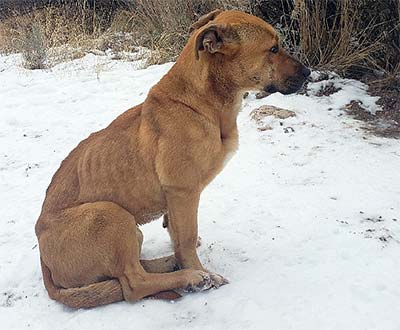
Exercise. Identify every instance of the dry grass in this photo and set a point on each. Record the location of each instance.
(159, 25)
(163, 25)
(63, 33)
(338, 41)
(73, 29)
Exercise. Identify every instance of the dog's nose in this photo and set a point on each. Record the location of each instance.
(305, 71)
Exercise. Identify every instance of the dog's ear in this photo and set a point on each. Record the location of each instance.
(203, 20)
(212, 39)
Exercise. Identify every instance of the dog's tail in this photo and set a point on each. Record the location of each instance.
(96, 294)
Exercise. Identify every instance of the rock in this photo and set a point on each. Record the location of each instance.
(270, 110)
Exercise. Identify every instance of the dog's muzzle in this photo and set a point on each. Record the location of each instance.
(291, 84)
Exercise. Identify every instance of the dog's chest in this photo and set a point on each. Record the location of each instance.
(230, 146)
(230, 138)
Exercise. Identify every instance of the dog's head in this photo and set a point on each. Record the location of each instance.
(247, 50)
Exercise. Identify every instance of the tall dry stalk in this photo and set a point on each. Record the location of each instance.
(33, 48)
(333, 35)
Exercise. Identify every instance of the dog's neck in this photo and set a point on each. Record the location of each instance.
(201, 86)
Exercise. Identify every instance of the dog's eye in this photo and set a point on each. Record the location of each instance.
(274, 49)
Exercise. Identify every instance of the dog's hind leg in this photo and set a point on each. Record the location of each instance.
(160, 265)
(98, 241)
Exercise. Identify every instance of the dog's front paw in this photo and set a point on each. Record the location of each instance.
(217, 280)
(197, 280)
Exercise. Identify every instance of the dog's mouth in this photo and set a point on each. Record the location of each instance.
(270, 89)
(291, 85)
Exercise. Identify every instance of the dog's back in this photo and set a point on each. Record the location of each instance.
(82, 174)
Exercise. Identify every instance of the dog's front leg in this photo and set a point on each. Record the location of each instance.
(182, 226)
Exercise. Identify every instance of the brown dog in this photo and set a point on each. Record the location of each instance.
(153, 160)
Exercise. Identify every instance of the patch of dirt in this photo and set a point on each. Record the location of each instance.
(384, 235)
(9, 299)
(384, 123)
(376, 228)
(29, 168)
(328, 90)
(374, 219)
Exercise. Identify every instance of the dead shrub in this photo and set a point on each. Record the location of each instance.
(349, 37)
(330, 38)
(66, 31)
(33, 48)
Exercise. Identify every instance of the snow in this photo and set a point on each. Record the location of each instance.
(347, 87)
(304, 224)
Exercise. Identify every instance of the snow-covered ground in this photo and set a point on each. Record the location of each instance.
(304, 221)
